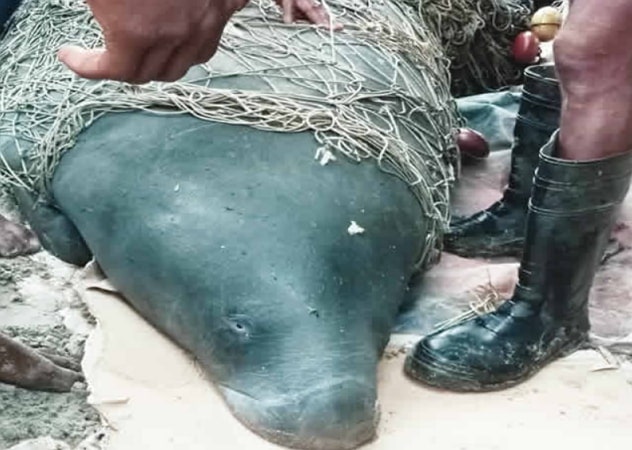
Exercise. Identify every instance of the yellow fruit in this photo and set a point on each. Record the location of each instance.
(546, 22)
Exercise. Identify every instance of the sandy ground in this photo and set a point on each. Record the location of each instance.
(40, 306)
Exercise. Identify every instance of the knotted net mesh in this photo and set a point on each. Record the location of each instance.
(477, 36)
(378, 90)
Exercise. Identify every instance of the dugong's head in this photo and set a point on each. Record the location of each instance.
(300, 322)
(307, 383)
(296, 362)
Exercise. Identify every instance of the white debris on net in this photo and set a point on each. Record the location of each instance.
(324, 155)
(354, 229)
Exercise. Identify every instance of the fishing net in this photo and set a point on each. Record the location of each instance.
(378, 90)
(477, 36)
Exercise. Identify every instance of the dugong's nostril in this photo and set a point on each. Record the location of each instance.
(336, 415)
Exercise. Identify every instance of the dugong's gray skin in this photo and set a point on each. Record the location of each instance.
(234, 242)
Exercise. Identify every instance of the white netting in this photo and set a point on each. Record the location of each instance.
(378, 90)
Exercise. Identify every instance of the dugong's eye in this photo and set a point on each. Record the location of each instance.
(239, 326)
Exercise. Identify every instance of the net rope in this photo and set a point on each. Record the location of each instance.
(378, 90)
(477, 36)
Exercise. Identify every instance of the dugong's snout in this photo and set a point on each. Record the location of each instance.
(335, 415)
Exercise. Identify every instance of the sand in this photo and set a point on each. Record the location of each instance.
(40, 307)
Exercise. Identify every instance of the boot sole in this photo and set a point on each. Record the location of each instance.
(513, 249)
(428, 372)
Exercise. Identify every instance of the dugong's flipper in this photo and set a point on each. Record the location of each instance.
(57, 234)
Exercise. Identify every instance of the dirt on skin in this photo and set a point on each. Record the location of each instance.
(40, 308)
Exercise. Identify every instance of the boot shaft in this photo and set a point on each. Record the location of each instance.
(7, 8)
(572, 210)
(538, 117)
(541, 84)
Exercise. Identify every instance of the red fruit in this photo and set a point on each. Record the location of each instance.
(526, 48)
(472, 144)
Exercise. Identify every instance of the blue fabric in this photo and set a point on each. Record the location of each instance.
(7, 8)
(493, 115)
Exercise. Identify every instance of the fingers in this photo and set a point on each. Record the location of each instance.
(311, 10)
(164, 62)
(181, 60)
(157, 53)
(288, 10)
(156, 62)
(110, 63)
(207, 50)
(143, 60)
(92, 64)
(209, 44)
(196, 50)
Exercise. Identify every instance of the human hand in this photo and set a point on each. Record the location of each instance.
(310, 10)
(151, 40)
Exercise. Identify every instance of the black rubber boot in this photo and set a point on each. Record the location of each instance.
(572, 211)
(541, 3)
(7, 8)
(499, 230)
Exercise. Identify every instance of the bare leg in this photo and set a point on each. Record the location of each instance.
(593, 56)
(16, 240)
(21, 366)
